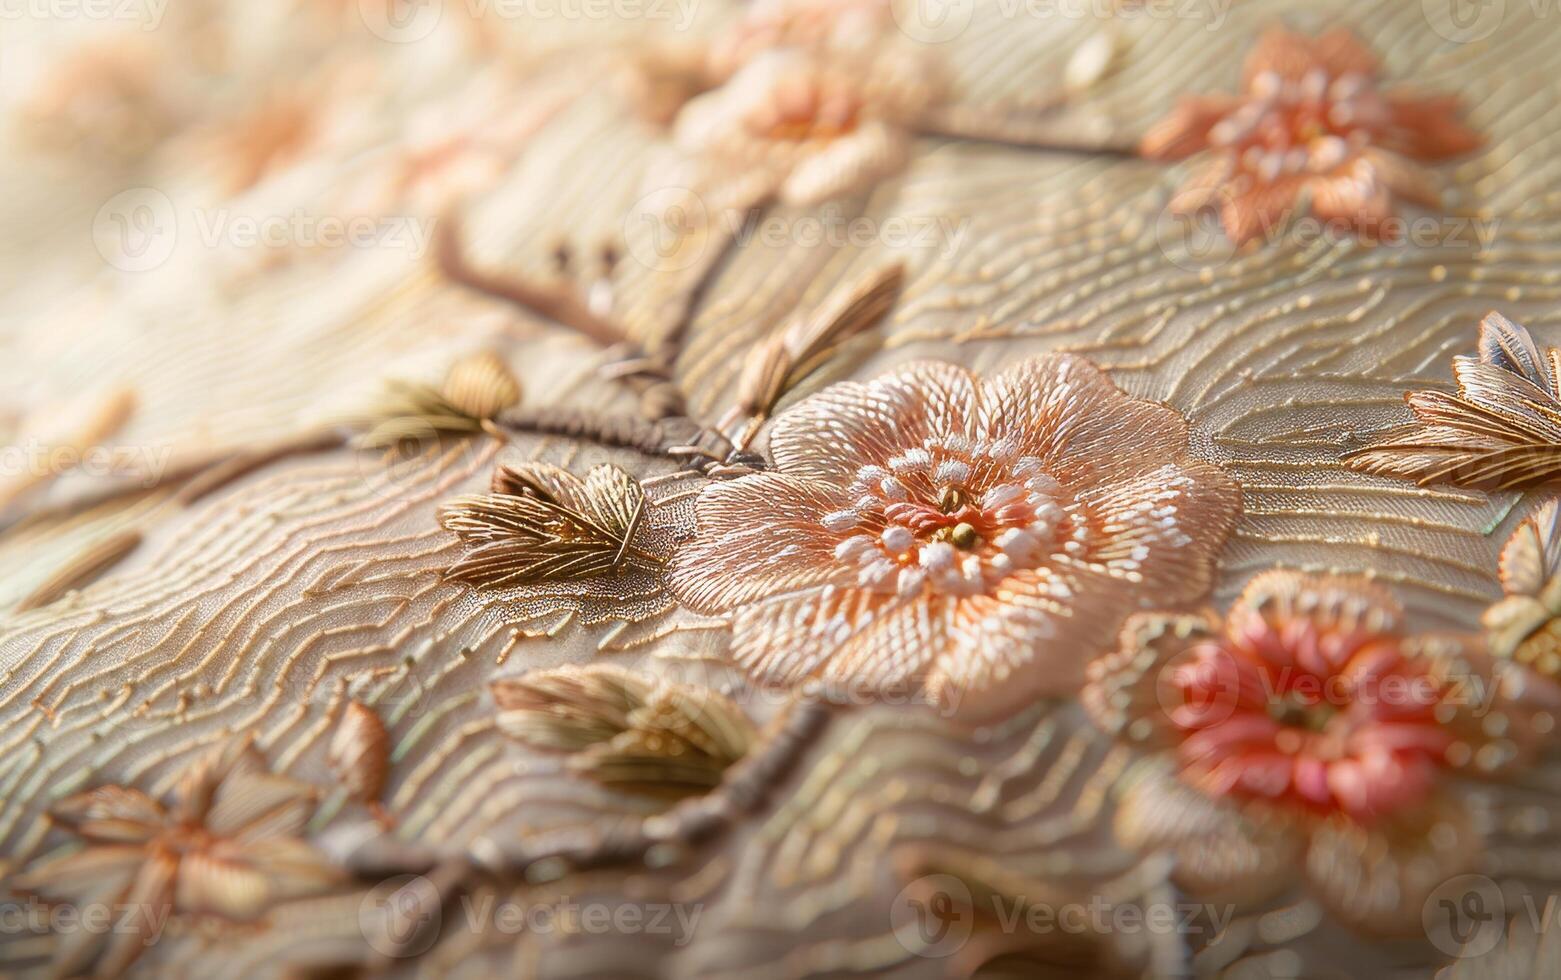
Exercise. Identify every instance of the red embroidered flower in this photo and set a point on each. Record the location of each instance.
(1311, 128)
(1308, 732)
(1309, 699)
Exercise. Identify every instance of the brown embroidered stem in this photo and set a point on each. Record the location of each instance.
(674, 437)
(690, 823)
(694, 821)
(986, 126)
(612, 431)
(731, 235)
(557, 303)
(648, 374)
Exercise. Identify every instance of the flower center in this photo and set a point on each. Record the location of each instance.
(952, 516)
(1293, 711)
(1306, 126)
(806, 109)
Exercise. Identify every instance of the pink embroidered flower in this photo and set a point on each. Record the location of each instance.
(967, 536)
(1307, 728)
(804, 129)
(1313, 127)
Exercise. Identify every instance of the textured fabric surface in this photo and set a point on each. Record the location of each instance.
(360, 355)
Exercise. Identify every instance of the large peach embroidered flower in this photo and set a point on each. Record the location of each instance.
(804, 129)
(1309, 721)
(968, 537)
(1311, 127)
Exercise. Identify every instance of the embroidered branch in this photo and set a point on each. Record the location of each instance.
(587, 311)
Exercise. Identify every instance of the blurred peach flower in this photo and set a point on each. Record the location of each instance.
(793, 126)
(1311, 127)
(117, 96)
(1307, 719)
(229, 846)
(974, 540)
(458, 145)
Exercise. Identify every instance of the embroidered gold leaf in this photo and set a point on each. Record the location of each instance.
(359, 752)
(625, 730)
(680, 741)
(481, 386)
(567, 710)
(1501, 431)
(1526, 625)
(544, 524)
(475, 389)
